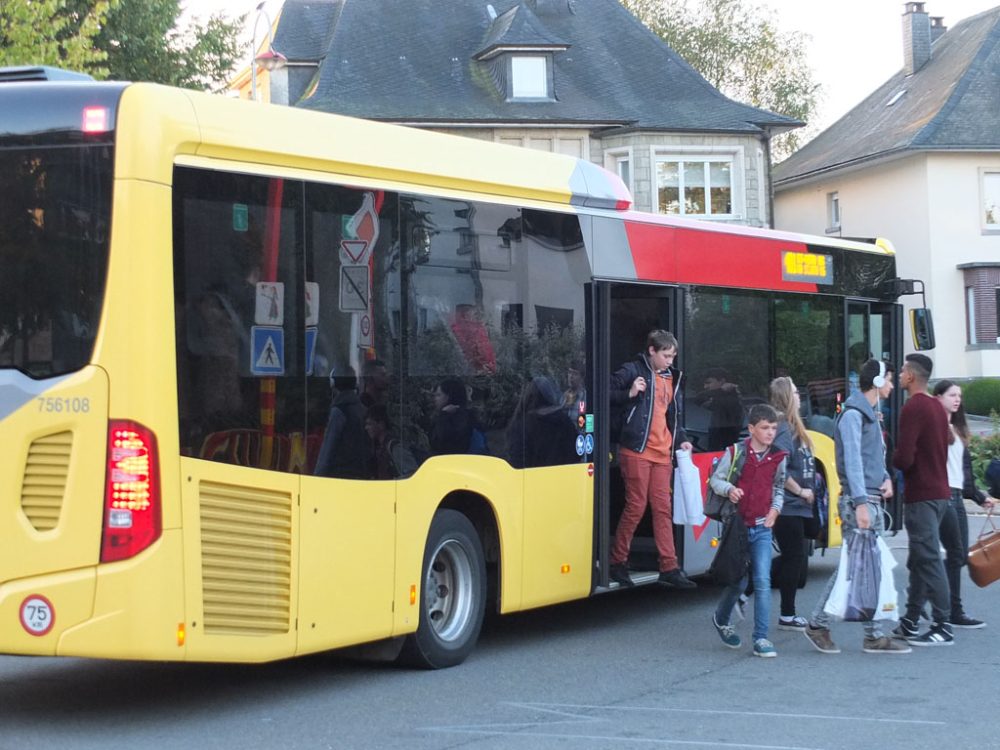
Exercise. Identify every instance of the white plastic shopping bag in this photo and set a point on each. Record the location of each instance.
(836, 603)
(688, 500)
(888, 602)
(888, 599)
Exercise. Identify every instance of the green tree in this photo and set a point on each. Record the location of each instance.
(47, 32)
(133, 40)
(737, 46)
(144, 42)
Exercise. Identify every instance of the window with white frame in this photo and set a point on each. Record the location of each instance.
(695, 185)
(991, 199)
(832, 211)
(997, 311)
(529, 77)
(619, 161)
(623, 167)
(970, 314)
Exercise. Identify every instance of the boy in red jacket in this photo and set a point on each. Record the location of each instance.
(757, 485)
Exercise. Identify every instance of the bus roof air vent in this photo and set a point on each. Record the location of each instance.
(40, 73)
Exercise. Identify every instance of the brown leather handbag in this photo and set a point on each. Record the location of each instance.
(984, 555)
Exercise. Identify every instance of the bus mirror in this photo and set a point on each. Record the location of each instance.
(922, 324)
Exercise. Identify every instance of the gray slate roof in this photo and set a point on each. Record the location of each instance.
(518, 27)
(951, 103)
(413, 61)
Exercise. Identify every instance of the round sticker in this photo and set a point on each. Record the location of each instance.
(588, 444)
(37, 615)
(590, 470)
(366, 325)
(579, 445)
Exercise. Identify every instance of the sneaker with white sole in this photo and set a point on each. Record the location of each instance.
(792, 623)
(763, 647)
(727, 634)
(906, 629)
(885, 645)
(964, 621)
(821, 640)
(939, 635)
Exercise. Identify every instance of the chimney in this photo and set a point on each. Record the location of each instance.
(916, 37)
(937, 27)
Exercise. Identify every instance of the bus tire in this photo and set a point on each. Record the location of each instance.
(452, 595)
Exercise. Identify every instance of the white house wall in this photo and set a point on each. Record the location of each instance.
(956, 237)
(928, 206)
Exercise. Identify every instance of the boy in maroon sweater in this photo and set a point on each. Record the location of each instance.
(757, 484)
(922, 455)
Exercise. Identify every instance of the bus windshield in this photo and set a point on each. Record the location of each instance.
(54, 223)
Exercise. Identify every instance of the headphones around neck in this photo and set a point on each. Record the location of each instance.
(879, 380)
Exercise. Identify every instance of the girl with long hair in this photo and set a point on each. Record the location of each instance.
(955, 525)
(797, 513)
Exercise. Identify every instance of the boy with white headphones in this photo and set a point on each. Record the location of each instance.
(864, 483)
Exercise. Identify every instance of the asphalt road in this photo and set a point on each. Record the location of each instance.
(635, 669)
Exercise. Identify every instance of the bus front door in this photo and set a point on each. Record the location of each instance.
(875, 330)
(623, 315)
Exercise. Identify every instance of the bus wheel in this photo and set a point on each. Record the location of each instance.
(452, 597)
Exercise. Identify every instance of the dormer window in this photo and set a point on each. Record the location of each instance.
(517, 54)
(529, 77)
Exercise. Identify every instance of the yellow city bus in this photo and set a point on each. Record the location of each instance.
(191, 287)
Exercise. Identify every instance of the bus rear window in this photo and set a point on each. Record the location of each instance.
(55, 220)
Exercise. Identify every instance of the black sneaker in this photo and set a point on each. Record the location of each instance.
(964, 621)
(676, 579)
(906, 629)
(938, 635)
(619, 574)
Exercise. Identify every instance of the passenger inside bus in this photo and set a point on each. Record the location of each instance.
(721, 398)
(540, 433)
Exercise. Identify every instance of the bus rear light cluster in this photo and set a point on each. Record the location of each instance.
(132, 508)
(95, 120)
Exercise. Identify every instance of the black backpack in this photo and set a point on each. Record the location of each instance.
(992, 475)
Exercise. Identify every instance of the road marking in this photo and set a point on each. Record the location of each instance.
(829, 717)
(614, 738)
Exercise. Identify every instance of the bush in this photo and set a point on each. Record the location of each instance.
(982, 449)
(982, 396)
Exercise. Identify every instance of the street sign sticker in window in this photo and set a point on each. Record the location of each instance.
(354, 288)
(37, 615)
(267, 350)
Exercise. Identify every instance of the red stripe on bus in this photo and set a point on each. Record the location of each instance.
(689, 256)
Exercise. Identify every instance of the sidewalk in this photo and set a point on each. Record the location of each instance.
(980, 425)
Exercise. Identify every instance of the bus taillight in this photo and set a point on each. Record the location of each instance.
(132, 513)
(95, 120)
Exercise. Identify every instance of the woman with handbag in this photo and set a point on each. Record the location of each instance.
(955, 526)
(797, 514)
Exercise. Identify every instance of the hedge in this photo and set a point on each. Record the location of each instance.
(982, 396)
(983, 448)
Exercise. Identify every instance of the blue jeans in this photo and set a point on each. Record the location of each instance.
(760, 571)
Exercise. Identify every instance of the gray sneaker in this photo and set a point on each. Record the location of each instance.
(820, 638)
(885, 645)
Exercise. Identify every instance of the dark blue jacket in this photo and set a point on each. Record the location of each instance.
(638, 411)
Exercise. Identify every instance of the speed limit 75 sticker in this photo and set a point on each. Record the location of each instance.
(37, 615)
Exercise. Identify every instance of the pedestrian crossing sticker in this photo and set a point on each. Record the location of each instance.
(267, 350)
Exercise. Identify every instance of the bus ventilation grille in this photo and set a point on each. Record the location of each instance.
(44, 484)
(246, 559)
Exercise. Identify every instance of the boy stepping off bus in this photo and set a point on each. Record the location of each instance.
(757, 486)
